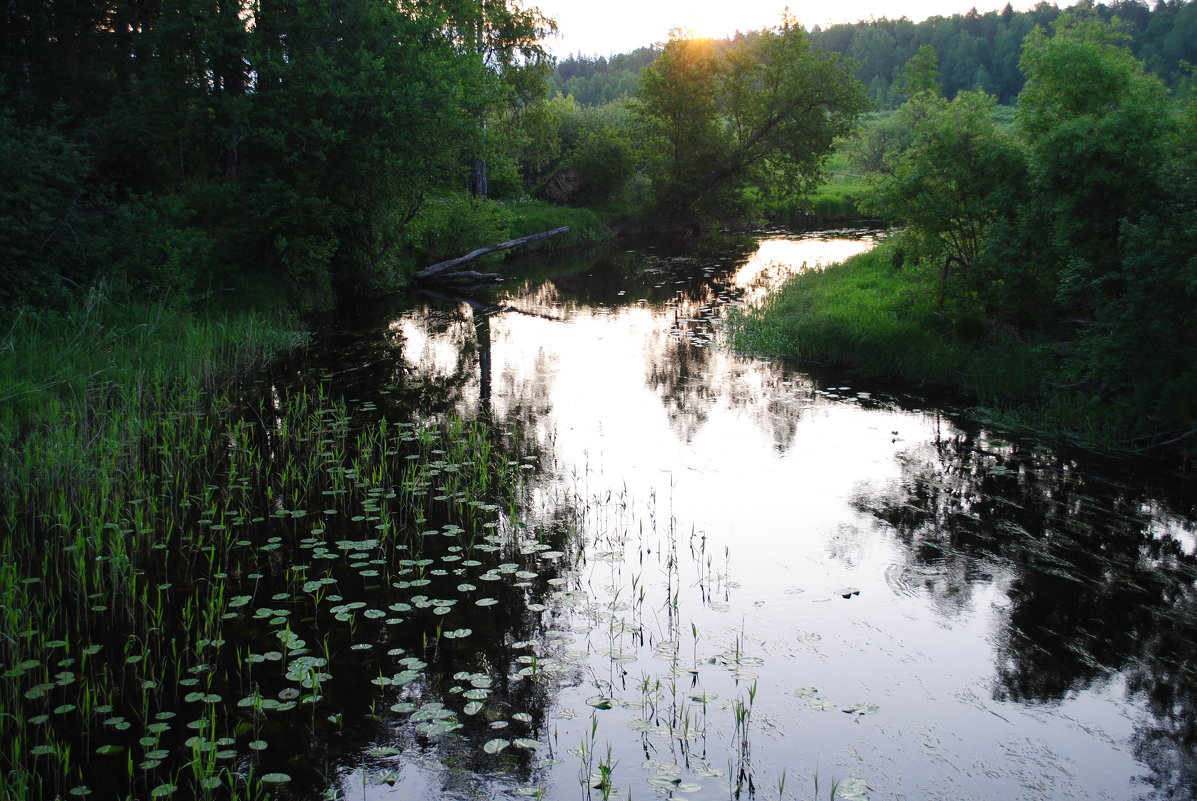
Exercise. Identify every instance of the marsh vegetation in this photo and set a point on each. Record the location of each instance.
(473, 550)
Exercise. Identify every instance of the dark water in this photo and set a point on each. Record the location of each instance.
(746, 581)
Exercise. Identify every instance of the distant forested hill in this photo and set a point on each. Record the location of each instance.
(595, 80)
(975, 51)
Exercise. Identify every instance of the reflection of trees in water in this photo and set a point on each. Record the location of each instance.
(1092, 592)
(691, 376)
(423, 358)
(677, 374)
(427, 360)
(692, 379)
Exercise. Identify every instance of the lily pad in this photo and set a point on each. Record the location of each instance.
(496, 745)
(853, 790)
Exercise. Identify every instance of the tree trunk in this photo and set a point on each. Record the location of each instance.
(478, 179)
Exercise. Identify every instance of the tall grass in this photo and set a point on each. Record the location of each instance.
(80, 390)
(834, 200)
(532, 217)
(101, 415)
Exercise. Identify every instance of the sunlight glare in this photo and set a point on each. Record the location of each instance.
(620, 26)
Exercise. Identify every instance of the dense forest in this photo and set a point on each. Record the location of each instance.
(161, 145)
(169, 147)
(975, 51)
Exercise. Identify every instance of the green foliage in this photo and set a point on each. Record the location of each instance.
(532, 217)
(921, 73)
(1074, 228)
(59, 231)
(156, 146)
(597, 142)
(881, 321)
(100, 367)
(1140, 352)
(41, 178)
(597, 80)
(605, 155)
(1092, 120)
(957, 179)
(763, 113)
(980, 52)
(678, 104)
(453, 224)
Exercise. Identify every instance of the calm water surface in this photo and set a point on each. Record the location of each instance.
(764, 581)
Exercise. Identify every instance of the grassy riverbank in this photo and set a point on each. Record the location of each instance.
(80, 390)
(872, 317)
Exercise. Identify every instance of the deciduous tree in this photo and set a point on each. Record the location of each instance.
(763, 112)
(957, 178)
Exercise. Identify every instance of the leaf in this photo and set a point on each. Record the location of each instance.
(383, 751)
(862, 709)
(853, 790)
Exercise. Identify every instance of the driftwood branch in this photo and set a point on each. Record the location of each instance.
(445, 270)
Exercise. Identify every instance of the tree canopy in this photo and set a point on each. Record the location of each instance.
(1074, 227)
(762, 112)
(974, 51)
(186, 138)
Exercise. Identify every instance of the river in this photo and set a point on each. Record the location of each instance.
(744, 580)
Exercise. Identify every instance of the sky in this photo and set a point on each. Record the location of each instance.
(620, 26)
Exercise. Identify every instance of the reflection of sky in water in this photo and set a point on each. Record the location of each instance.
(764, 471)
(436, 356)
(777, 258)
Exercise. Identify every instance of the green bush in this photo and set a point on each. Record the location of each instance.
(451, 225)
(41, 186)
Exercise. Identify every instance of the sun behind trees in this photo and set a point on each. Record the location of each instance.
(759, 112)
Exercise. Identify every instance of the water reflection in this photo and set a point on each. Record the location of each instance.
(1095, 592)
(1025, 628)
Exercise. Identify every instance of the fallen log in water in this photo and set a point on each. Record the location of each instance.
(447, 270)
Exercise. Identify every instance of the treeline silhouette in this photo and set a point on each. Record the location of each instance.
(976, 51)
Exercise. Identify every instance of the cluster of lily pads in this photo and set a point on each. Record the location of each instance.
(187, 634)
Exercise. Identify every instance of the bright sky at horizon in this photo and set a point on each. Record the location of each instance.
(620, 26)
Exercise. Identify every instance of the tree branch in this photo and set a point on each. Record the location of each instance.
(441, 268)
